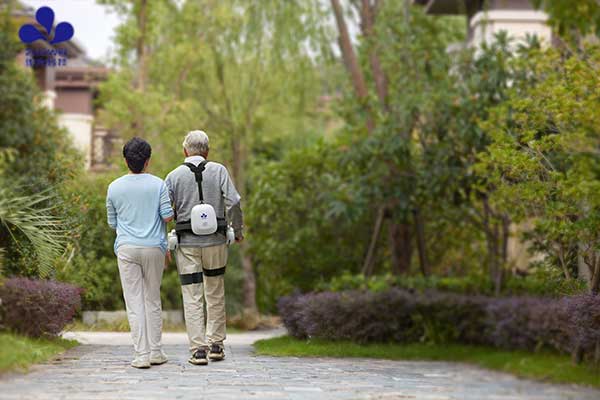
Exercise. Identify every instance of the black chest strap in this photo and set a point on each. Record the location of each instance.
(197, 170)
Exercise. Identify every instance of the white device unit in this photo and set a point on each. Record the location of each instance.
(230, 235)
(203, 219)
(172, 240)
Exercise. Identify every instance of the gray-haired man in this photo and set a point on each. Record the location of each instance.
(201, 260)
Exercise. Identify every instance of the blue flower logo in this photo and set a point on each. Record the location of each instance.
(45, 17)
(203, 216)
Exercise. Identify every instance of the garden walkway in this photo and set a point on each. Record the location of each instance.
(99, 369)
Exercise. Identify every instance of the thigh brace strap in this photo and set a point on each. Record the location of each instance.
(214, 272)
(188, 279)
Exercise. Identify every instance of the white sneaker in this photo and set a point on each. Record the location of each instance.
(141, 362)
(158, 358)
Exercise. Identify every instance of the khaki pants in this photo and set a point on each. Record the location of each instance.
(141, 270)
(200, 270)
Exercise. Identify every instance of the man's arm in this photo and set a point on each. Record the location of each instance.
(111, 213)
(232, 204)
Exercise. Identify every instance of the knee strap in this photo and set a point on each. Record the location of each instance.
(188, 279)
(214, 272)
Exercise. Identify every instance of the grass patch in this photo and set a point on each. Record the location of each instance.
(545, 366)
(17, 352)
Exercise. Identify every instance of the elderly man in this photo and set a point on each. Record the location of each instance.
(138, 207)
(201, 259)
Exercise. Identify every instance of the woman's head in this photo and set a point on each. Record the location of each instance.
(137, 153)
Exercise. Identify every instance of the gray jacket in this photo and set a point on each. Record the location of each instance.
(218, 191)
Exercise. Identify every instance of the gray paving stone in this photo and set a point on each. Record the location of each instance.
(99, 369)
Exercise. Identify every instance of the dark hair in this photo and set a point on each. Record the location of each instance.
(136, 152)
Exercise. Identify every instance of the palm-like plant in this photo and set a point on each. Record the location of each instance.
(29, 215)
(22, 213)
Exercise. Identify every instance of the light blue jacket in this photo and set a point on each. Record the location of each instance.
(136, 205)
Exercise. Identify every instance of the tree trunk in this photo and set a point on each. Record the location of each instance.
(422, 248)
(562, 260)
(577, 355)
(367, 269)
(595, 282)
(250, 306)
(367, 25)
(492, 234)
(238, 161)
(493, 258)
(400, 246)
(350, 60)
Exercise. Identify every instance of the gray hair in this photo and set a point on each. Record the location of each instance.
(196, 143)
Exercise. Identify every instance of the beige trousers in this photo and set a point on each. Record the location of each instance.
(141, 270)
(202, 282)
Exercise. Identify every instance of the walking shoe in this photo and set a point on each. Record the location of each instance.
(217, 352)
(199, 357)
(141, 362)
(158, 358)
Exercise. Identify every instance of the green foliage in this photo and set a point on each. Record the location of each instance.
(543, 161)
(542, 281)
(36, 161)
(91, 263)
(23, 215)
(301, 230)
(248, 72)
(252, 75)
(18, 352)
(421, 156)
(237, 69)
(570, 18)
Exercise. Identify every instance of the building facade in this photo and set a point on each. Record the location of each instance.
(70, 89)
(485, 18)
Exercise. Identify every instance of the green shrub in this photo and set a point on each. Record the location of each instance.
(302, 223)
(91, 263)
(542, 282)
(38, 160)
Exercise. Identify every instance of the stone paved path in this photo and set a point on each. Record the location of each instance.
(99, 369)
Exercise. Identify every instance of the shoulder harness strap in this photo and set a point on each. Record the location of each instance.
(197, 170)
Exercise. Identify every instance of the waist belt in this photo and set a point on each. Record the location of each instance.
(186, 226)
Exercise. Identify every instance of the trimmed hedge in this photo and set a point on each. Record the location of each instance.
(38, 307)
(570, 324)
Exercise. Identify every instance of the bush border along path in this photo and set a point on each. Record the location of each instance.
(569, 325)
(543, 366)
(17, 352)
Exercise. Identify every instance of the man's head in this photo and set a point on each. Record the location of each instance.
(137, 154)
(196, 144)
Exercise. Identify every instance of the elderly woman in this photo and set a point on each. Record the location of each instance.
(138, 207)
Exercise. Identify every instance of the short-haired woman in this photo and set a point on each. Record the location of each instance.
(138, 207)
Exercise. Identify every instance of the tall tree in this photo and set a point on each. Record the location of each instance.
(400, 228)
(241, 70)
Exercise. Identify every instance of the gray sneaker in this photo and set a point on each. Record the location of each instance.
(217, 352)
(198, 357)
